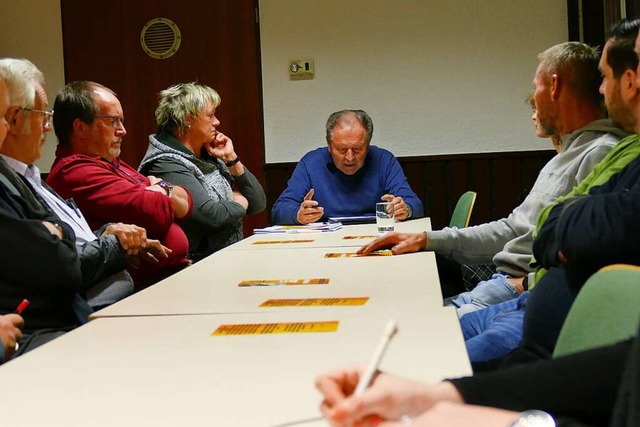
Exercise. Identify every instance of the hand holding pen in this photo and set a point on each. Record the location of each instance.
(11, 329)
(356, 394)
(344, 388)
(372, 368)
(387, 399)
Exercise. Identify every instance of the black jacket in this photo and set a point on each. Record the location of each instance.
(36, 265)
(596, 230)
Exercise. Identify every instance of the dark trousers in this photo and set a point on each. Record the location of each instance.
(450, 273)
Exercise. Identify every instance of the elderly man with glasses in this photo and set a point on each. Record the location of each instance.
(103, 255)
(38, 259)
(89, 124)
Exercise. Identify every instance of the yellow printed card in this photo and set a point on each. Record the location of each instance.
(314, 302)
(277, 328)
(281, 242)
(385, 252)
(283, 282)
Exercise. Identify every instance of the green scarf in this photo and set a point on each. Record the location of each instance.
(618, 158)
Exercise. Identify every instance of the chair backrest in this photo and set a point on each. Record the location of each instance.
(462, 212)
(606, 310)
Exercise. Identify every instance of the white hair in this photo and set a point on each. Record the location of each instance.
(21, 78)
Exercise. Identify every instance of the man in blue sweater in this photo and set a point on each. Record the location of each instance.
(347, 178)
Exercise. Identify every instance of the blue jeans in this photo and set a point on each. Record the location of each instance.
(494, 331)
(486, 293)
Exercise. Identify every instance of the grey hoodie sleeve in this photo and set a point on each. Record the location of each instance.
(508, 242)
(477, 244)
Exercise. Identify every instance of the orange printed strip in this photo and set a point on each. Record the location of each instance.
(283, 282)
(317, 302)
(385, 252)
(358, 237)
(277, 328)
(281, 242)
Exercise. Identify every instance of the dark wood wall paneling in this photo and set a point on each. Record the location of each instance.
(220, 48)
(593, 13)
(598, 17)
(502, 181)
(633, 8)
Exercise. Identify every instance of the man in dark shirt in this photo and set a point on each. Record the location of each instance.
(38, 262)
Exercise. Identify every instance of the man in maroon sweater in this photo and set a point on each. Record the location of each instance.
(89, 124)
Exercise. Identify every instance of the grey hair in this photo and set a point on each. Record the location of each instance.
(359, 115)
(576, 64)
(178, 103)
(21, 77)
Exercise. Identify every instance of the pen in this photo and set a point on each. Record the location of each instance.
(20, 308)
(365, 380)
(72, 204)
(389, 331)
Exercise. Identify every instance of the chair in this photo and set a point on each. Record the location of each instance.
(462, 212)
(606, 310)
(471, 273)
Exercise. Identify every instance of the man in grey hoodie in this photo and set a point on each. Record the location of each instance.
(568, 109)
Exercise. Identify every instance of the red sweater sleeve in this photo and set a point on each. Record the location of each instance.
(106, 194)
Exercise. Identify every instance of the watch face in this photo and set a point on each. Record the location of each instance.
(167, 187)
(534, 418)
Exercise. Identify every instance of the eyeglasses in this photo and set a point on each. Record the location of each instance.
(48, 115)
(115, 120)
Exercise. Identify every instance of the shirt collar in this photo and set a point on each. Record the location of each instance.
(32, 173)
(16, 165)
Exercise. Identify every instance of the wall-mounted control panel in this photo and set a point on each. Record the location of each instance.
(301, 67)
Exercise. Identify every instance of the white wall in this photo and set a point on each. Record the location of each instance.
(32, 29)
(436, 76)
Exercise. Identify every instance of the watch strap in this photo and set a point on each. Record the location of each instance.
(232, 162)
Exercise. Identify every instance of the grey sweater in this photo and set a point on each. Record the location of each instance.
(508, 241)
(216, 220)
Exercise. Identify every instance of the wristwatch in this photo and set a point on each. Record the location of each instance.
(534, 418)
(166, 187)
(232, 162)
(59, 228)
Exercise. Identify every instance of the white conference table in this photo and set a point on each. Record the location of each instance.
(170, 371)
(357, 235)
(212, 285)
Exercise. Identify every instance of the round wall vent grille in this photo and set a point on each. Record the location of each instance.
(160, 38)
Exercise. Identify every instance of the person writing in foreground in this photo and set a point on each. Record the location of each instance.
(589, 388)
(347, 178)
